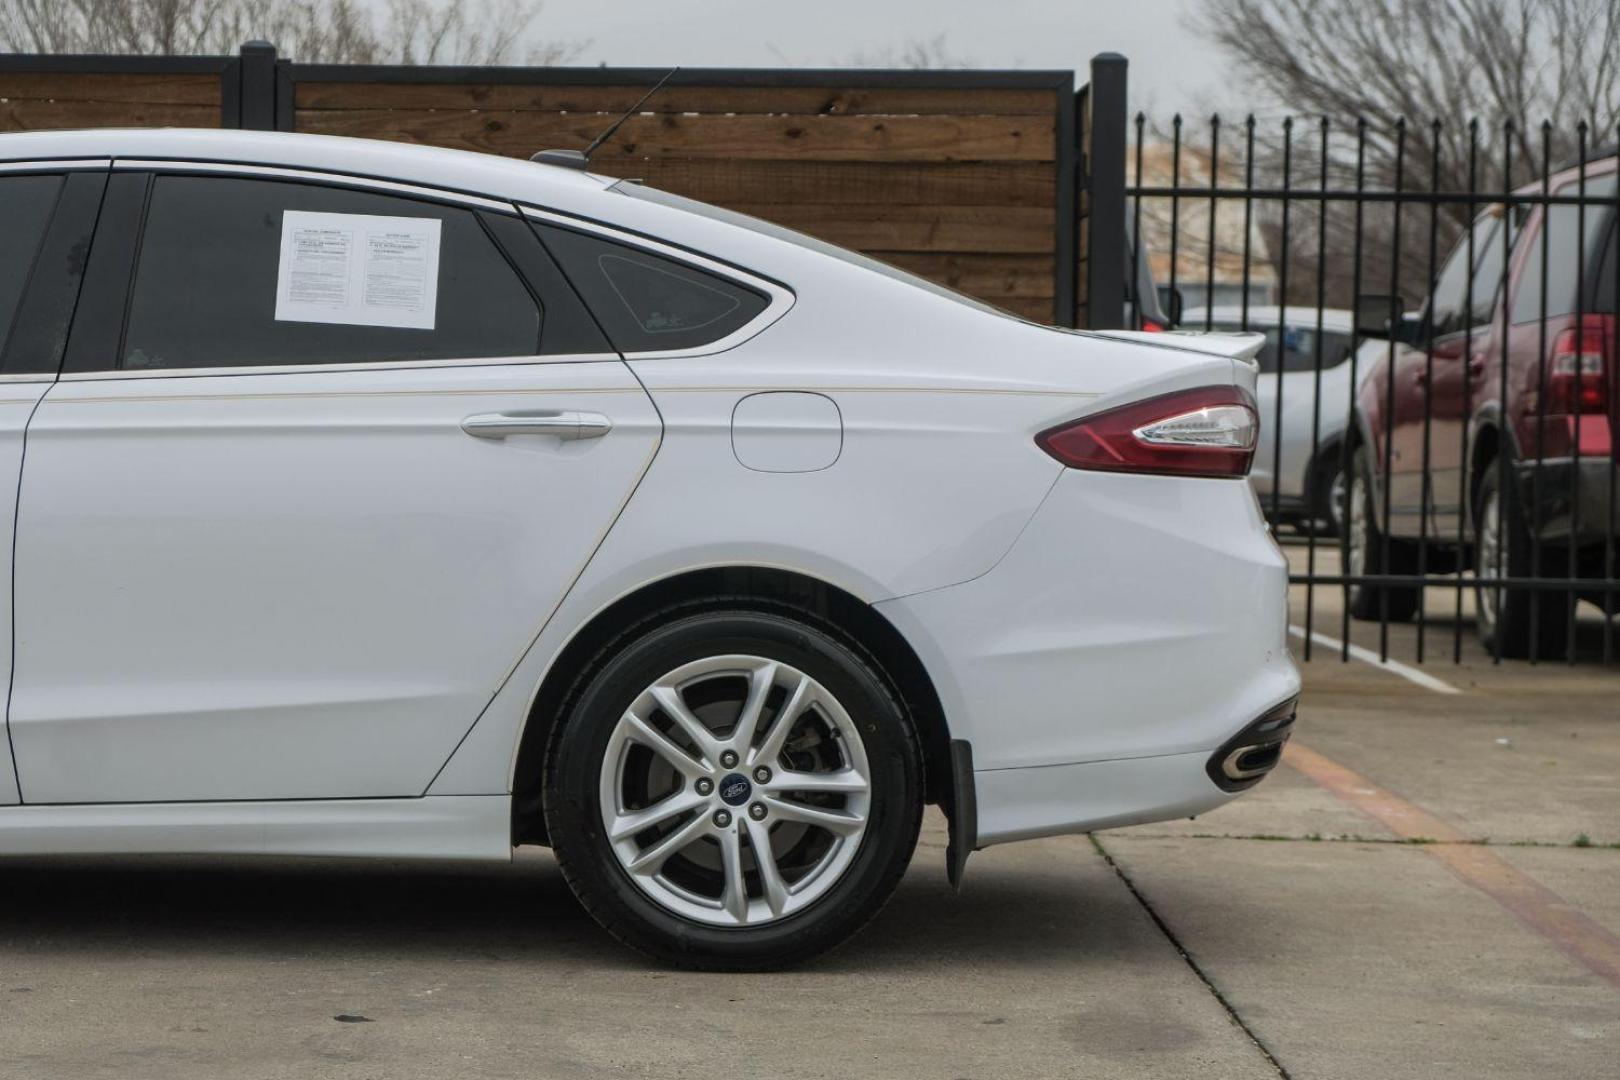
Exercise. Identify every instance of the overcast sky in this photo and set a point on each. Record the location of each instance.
(1171, 67)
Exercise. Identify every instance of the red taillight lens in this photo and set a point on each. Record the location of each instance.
(1151, 327)
(1210, 431)
(1577, 372)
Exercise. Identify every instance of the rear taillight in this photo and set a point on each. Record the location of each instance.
(1151, 327)
(1205, 432)
(1577, 372)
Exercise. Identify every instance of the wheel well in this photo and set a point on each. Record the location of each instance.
(830, 608)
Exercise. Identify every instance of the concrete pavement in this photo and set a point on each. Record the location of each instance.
(1298, 932)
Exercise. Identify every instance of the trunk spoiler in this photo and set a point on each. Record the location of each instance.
(1211, 343)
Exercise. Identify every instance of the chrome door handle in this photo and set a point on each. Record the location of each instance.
(562, 425)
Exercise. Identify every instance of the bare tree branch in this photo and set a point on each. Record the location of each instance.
(321, 31)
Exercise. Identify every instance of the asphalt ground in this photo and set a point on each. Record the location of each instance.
(1428, 887)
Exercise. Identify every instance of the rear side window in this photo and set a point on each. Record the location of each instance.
(1571, 242)
(26, 203)
(237, 272)
(648, 303)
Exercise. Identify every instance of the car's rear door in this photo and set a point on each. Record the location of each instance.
(323, 458)
(1461, 377)
(47, 217)
(1434, 385)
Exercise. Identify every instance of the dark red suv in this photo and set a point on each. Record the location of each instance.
(1510, 484)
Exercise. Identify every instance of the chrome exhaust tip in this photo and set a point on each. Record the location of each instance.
(1249, 755)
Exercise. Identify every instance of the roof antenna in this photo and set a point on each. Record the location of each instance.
(580, 159)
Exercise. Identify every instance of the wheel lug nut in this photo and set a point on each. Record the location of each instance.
(705, 786)
(728, 759)
(762, 775)
(757, 811)
(722, 818)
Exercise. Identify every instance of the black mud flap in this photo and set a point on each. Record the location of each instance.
(962, 811)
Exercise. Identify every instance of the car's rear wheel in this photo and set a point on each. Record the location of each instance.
(1370, 554)
(1509, 619)
(734, 789)
(1330, 492)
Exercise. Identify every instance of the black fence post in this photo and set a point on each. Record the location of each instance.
(257, 101)
(1066, 248)
(1103, 191)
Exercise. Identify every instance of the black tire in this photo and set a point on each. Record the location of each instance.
(613, 683)
(1371, 601)
(1519, 616)
(1327, 477)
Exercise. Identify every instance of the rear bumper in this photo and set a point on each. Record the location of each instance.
(1020, 804)
(1136, 624)
(1562, 501)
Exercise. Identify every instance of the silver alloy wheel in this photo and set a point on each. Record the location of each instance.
(735, 791)
(1357, 540)
(1338, 491)
(1488, 556)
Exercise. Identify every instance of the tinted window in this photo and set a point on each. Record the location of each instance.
(646, 302)
(1488, 275)
(1455, 297)
(1299, 347)
(1570, 253)
(207, 279)
(25, 210)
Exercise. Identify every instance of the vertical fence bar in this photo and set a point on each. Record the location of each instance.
(1536, 553)
(1105, 194)
(1578, 406)
(1426, 490)
(1498, 597)
(1464, 503)
(1346, 462)
(1136, 231)
(1315, 477)
(1065, 248)
(1282, 325)
(1389, 394)
(1175, 200)
(1214, 205)
(1613, 352)
(1248, 211)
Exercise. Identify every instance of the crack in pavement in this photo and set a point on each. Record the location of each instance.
(1186, 957)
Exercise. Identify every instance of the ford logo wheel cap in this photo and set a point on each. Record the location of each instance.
(735, 789)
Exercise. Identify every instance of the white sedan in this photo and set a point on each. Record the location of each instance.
(384, 501)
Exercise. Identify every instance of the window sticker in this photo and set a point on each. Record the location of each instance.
(358, 269)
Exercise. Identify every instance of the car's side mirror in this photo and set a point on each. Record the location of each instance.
(1409, 330)
(1380, 316)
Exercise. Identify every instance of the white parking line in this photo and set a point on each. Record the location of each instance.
(1394, 667)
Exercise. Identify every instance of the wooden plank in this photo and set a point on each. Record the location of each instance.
(813, 101)
(879, 183)
(142, 89)
(1009, 230)
(990, 276)
(813, 138)
(61, 115)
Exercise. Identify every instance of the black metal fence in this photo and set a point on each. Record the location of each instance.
(1438, 388)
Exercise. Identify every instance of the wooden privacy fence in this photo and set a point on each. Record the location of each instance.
(968, 178)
